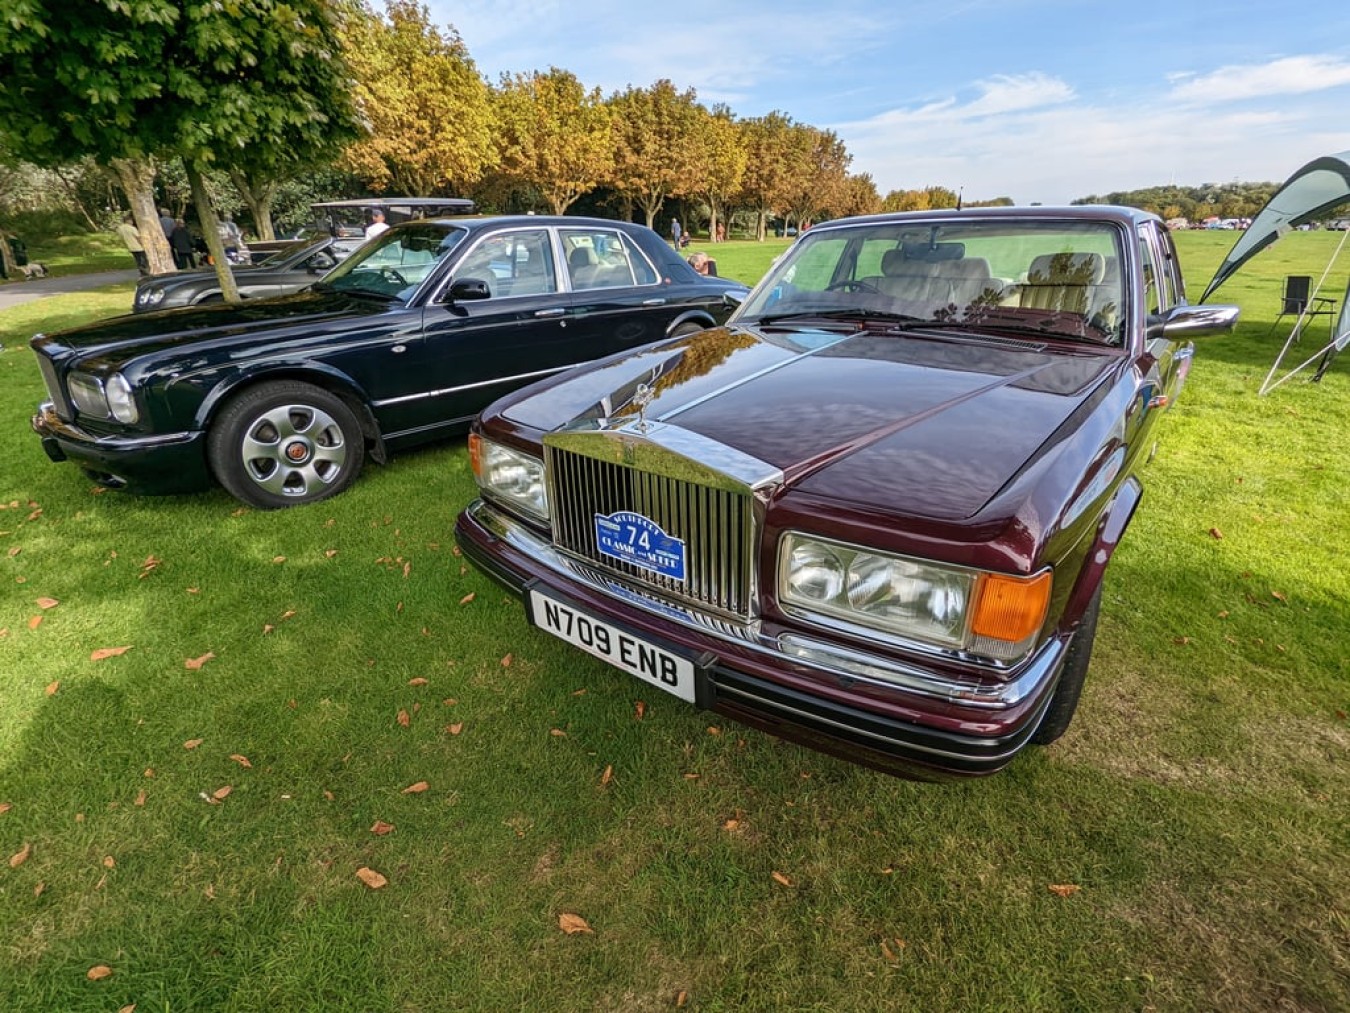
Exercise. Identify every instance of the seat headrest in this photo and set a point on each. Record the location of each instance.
(1067, 269)
(893, 263)
(582, 256)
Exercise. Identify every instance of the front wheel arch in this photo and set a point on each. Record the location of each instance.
(691, 323)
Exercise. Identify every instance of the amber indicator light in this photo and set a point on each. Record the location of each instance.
(1011, 608)
(476, 454)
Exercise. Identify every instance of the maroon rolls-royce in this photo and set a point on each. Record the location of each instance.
(873, 512)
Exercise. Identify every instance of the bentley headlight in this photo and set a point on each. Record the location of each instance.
(121, 402)
(814, 572)
(86, 392)
(997, 616)
(150, 297)
(509, 476)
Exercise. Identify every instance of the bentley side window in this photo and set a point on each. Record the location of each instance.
(603, 259)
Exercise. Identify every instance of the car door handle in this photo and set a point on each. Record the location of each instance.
(555, 312)
(653, 302)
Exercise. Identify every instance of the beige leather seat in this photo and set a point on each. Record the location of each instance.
(582, 265)
(1062, 281)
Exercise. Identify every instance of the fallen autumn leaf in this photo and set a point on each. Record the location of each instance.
(573, 924)
(103, 653)
(98, 972)
(19, 857)
(381, 828)
(194, 664)
(415, 789)
(1064, 889)
(371, 878)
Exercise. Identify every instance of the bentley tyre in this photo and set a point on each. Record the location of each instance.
(286, 443)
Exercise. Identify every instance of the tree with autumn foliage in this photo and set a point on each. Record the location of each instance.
(429, 111)
(553, 135)
(656, 145)
(767, 141)
(260, 85)
(720, 158)
(815, 174)
(928, 199)
(860, 196)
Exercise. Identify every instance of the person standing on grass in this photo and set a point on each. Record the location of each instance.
(180, 242)
(132, 239)
(675, 232)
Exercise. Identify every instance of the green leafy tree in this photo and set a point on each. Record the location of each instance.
(554, 135)
(237, 83)
(656, 145)
(429, 110)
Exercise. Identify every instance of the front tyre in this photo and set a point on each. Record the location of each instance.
(1070, 688)
(284, 444)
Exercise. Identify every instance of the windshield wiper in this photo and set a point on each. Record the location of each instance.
(852, 313)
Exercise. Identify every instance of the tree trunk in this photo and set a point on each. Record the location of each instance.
(73, 196)
(11, 267)
(761, 224)
(137, 177)
(206, 214)
(259, 199)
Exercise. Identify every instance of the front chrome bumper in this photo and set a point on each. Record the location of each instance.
(787, 681)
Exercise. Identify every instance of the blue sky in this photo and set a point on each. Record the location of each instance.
(1038, 100)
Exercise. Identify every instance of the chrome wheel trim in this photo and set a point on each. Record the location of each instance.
(294, 450)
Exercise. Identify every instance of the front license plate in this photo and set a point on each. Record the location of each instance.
(637, 657)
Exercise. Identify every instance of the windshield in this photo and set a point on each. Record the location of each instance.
(1054, 278)
(395, 262)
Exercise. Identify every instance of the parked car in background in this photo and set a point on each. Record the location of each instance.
(346, 220)
(873, 512)
(284, 271)
(282, 400)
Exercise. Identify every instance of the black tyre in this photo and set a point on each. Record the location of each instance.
(285, 443)
(1065, 701)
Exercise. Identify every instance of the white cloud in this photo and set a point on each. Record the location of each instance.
(1074, 149)
(1291, 75)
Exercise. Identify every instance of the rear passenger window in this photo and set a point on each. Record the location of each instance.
(600, 258)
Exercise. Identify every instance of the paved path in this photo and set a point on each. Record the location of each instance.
(15, 293)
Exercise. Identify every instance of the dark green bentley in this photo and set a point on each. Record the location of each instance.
(282, 400)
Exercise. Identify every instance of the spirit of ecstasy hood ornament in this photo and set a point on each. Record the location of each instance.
(642, 398)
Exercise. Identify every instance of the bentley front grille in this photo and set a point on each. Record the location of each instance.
(48, 370)
(717, 526)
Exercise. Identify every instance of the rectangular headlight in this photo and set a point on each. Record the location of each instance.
(509, 476)
(86, 393)
(994, 615)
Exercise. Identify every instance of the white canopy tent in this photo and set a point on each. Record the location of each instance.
(1308, 194)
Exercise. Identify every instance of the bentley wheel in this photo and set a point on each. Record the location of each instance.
(1065, 701)
(286, 443)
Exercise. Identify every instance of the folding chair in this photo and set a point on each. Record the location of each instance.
(1297, 290)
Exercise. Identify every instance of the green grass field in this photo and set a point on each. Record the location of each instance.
(212, 719)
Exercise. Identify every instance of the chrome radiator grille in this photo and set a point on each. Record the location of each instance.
(717, 526)
(48, 369)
